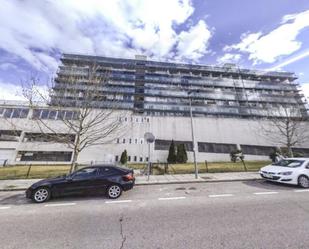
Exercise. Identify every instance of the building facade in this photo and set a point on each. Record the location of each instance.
(229, 107)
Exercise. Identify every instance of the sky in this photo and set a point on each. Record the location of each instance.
(264, 34)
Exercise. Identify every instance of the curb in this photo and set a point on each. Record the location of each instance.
(164, 183)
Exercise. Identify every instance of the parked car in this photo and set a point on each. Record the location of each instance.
(111, 180)
(289, 170)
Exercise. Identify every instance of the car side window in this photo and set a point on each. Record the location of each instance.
(307, 166)
(106, 171)
(85, 173)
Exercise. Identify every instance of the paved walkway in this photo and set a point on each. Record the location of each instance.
(6, 185)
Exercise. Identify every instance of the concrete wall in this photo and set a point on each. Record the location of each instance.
(210, 129)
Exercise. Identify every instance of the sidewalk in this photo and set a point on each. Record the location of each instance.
(9, 185)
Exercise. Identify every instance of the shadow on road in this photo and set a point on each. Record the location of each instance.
(268, 185)
(20, 199)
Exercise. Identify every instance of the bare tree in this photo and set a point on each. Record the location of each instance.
(287, 127)
(87, 114)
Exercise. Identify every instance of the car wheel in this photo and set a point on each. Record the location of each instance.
(114, 191)
(303, 181)
(41, 195)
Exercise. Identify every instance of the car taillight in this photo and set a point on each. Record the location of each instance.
(128, 177)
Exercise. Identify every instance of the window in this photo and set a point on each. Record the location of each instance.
(52, 114)
(147, 159)
(44, 114)
(118, 140)
(165, 144)
(55, 156)
(130, 140)
(87, 172)
(9, 135)
(141, 159)
(8, 113)
(256, 149)
(142, 140)
(129, 158)
(216, 147)
(123, 140)
(135, 158)
(136, 140)
(116, 158)
(107, 171)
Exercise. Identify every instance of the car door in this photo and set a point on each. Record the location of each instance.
(81, 181)
(106, 175)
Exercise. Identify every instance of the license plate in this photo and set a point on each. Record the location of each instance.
(268, 175)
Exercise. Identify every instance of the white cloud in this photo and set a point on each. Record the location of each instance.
(290, 61)
(305, 88)
(279, 42)
(229, 58)
(10, 91)
(34, 29)
(194, 42)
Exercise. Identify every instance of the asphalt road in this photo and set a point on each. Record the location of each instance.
(252, 214)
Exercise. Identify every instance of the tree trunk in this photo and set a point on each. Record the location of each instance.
(74, 160)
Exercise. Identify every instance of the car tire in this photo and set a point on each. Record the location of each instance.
(114, 191)
(41, 195)
(303, 181)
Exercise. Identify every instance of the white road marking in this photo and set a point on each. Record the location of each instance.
(60, 204)
(222, 195)
(265, 193)
(6, 207)
(171, 198)
(122, 201)
(301, 190)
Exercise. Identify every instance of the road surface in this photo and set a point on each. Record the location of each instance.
(251, 214)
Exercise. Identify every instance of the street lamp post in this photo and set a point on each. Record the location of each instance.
(193, 138)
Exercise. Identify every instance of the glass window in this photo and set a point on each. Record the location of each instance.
(8, 113)
(116, 158)
(52, 114)
(129, 158)
(135, 158)
(68, 115)
(24, 113)
(36, 114)
(16, 113)
(44, 114)
(123, 140)
(87, 172)
(141, 159)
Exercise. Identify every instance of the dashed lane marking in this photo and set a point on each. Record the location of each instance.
(171, 198)
(6, 207)
(301, 190)
(60, 204)
(122, 201)
(265, 193)
(221, 195)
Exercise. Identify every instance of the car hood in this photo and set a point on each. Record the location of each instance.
(49, 181)
(275, 169)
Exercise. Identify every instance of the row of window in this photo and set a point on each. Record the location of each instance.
(38, 113)
(225, 148)
(14, 136)
(130, 140)
(14, 112)
(54, 156)
(133, 159)
(134, 119)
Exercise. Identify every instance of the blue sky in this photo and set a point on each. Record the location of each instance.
(264, 34)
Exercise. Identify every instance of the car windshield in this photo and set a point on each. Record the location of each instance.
(289, 163)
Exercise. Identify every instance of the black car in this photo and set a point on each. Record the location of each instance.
(111, 180)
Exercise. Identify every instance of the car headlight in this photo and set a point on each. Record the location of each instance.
(287, 173)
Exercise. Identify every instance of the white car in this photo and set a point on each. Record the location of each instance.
(289, 170)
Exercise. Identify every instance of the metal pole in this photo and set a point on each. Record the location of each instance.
(193, 141)
(148, 170)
